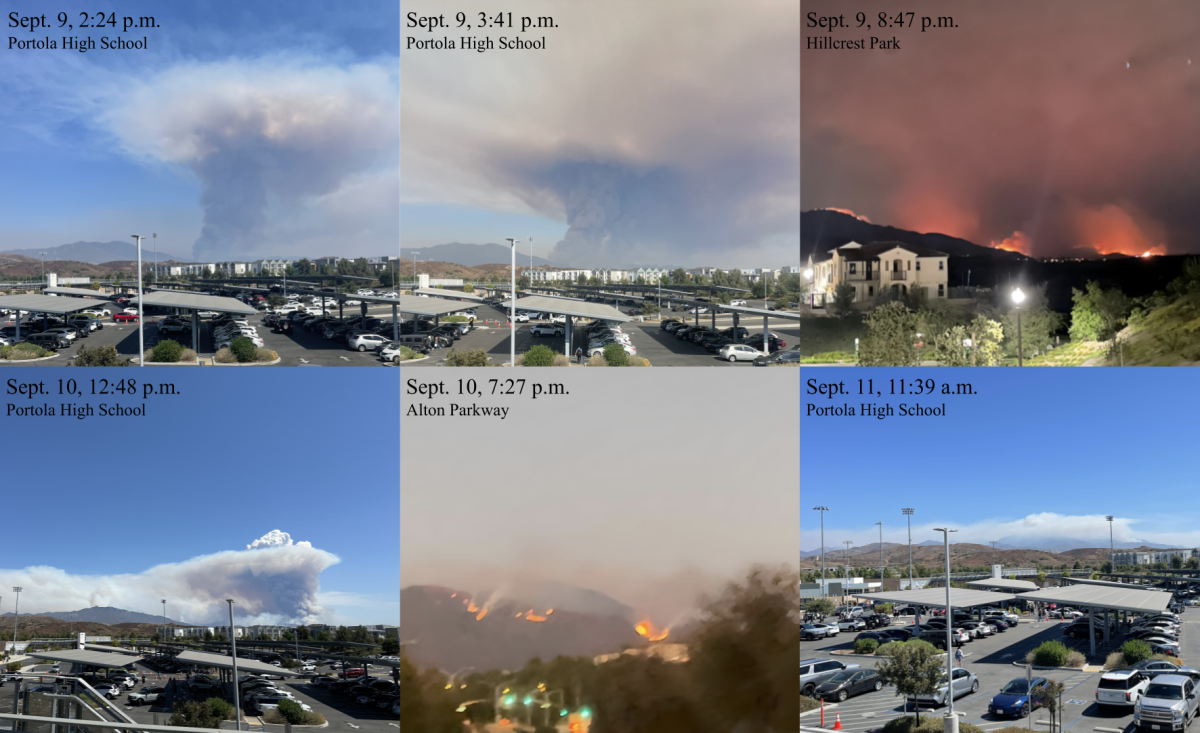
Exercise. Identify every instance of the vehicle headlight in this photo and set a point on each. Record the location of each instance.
(1177, 715)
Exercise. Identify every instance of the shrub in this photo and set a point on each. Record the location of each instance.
(884, 608)
(187, 355)
(1135, 651)
(291, 711)
(865, 646)
(265, 355)
(407, 353)
(808, 703)
(929, 724)
(561, 360)
(1075, 659)
(1115, 660)
(98, 356)
(14, 666)
(597, 360)
(1050, 654)
(638, 361)
(473, 357)
(22, 352)
(218, 708)
(615, 355)
(540, 356)
(242, 349)
(167, 352)
(224, 356)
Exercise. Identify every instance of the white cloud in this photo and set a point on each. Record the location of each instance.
(275, 538)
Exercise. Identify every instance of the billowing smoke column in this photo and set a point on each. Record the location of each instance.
(266, 139)
(274, 580)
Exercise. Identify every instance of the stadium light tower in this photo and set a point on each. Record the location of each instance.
(512, 305)
(822, 509)
(16, 615)
(233, 651)
(949, 629)
(880, 553)
(908, 512)
(1111, 568)
(1019, 298)
(141, 336)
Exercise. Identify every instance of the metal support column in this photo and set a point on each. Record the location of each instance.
(713, 312)
(766, 349)
(18, 339)
(196, 331)
(567, 337)
(395, 322)
(1092, 629)
(738, 339)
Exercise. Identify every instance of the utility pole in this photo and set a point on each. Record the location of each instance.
(908, 512)
(1111, 568)
(237, 702)
(846, 588)
(822, 509)
(880, 554)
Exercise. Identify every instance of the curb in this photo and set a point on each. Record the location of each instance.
(817, 710)
(173, 363)
(1084, 668)
(248, 364)
(27, 361)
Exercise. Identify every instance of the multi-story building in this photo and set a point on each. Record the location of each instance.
(652, 275)
(383, 263)
(379, 631)
(269, 631)
(164, 269)
(543, 275)
(197, 268)
(877, 271)
(233, 268)
(274, 268)
(1149, 557)
(322, 261)
(238, 631)
(178, 632)
(696, 272)
(613, 276)
(315, 629)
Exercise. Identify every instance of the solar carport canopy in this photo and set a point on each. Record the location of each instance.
(86, 656)
(244, 665)
(1004, 584)
(78, 292)
(1104, 596)
(197, 301)
(573, 308)
(959, 597)
(49, 303)
(785, 315)
(111, 649)
(445, 294)
(419, 306)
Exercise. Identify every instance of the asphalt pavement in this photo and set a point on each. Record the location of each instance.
(991, 659)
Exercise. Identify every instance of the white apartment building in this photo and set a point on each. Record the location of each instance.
(238, 631)
(878, 269)
(269, 267)
(613, 276)
(383, 263)
(322, 261)
(379, 631)
(651, 275)
(271, 632)
(233, 268)
(558, 275)
(166, 270)
(197, 268)
(696, 272)
(179, 632)
(1144, 557)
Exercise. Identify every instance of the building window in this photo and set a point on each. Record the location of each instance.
(909, 264)
(941, 290)
(853, 268)
(941, 264)
(870, 291)
(918, 265)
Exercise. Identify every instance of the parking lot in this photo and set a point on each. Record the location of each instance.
(652, 342)
(297, 348)
(991, 660)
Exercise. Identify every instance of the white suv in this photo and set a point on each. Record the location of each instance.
(365, 341)
(1121, 688)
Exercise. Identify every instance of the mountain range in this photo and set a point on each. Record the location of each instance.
(965, 554)
(106, 615)
(443, 627)
(474, 255)
(824, 229)
(95, 253)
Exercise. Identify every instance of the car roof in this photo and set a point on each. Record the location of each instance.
(1120, 673)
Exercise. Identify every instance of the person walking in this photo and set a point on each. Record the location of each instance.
(579, 354)
(958, 655)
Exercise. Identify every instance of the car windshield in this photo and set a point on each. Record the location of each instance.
(1164, 692)
(840, 677)
(1016, 687)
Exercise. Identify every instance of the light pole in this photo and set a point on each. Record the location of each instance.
(949, 633)
(822, 509)
(1018, 298)
(908, 512)
(512, 304)
(164, 602)
(1111, 568)
(141, 336)
(16, 615)
(993, 552)
(846, 588)
(43, 254)
(880, 554)
(237, 701)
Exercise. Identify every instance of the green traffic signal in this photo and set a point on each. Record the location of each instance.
(562, 713)
(585, 713)
(510, 700)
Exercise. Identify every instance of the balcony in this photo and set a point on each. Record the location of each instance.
(899, 275)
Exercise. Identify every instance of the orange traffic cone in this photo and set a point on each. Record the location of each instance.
(837, 724)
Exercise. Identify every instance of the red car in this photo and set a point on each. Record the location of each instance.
(125, 317)
(354, 672)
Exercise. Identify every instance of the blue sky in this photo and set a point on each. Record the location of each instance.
(123, 512)
(102, 143)
(1038, 452)
(621, 146)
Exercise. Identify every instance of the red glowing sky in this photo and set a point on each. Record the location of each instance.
(1023, 127)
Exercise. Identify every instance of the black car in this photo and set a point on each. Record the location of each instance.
(849, 682)
(779, 357)
(86, 321)
(878, 636)
(1000, 624)
(1080, 631)
(51, 341)
(876, 620)
(756, 342)
(937, 637)
(897, 634)
(740, 332)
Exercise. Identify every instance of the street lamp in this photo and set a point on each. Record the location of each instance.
(16, 615)
(512, 305)
(908, 512)
(237, 701)
(43, 254)
(846, 587)
(1111, 568)
(141, 337)
(949, 631)
(880, 554)
(155, 235)
(164, 602)
(1018, 298)
(993, 552)
(822, 509)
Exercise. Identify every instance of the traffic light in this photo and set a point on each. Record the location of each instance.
(510, 700)
(562, 713)
(585, 713)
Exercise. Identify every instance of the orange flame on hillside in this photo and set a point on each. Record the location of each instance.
(1018, 242)
(454, 595)
(472, 608)
(479, 616)
(847, 212)
(647, 629)
(531, 616)
(549, 611)
(1109, 229)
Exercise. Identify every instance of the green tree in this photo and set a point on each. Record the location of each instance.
(649, 308)
(540, 355)
(842, 302)
(95, 285)
(679, 276)
(821, 606)
(1176, 563)
(1048, 696)
(1038, 323)
(166, 352)
(935, 319)
(1098, 314)
(390, 646)
(275, 300)
(915, 668)
(1192, 563)
(98, 356)
(891, 336)
(615, 355)
(243, 349)
(304, 266)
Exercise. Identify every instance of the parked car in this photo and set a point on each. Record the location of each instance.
(1121, 688)
(814, 672)
(997, 623)
(962, 682)
(849, 682)
(830, 629)
(111, 690)
(778, 357)
(1154, 667)
(739, 352)
(147, 694)
(51, 341)
(852, 624)
(125, 317)
(1016, 698)
(365, 341)
(1169, 703)
(812, 632)
(737, 302)
(547, 329)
